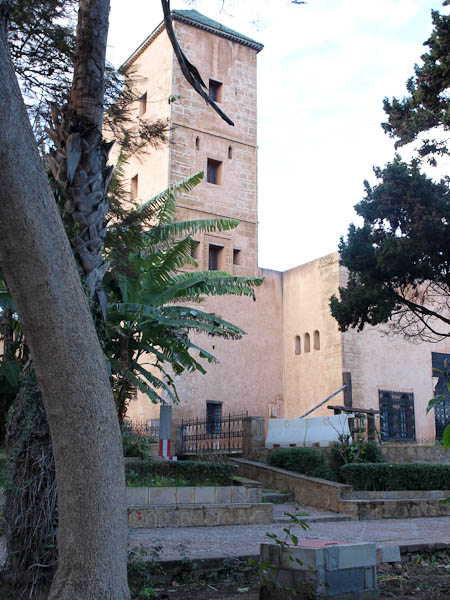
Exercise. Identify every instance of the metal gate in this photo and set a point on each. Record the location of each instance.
(223, 434)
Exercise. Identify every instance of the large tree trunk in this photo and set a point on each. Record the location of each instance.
(39, 268)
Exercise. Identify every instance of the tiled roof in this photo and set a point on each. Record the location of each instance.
(195, 19)
(205, 22)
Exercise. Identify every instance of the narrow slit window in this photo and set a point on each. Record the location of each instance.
(134, 188)
(307, 343)
(143, 104)
(236, 256)
(230, 153)
(316, 340)
(297, 345)
(197, 143)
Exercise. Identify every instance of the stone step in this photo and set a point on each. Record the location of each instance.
(278, 497)
(317, 518)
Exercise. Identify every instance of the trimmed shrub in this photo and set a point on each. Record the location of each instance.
(363, 452)
(193, 472)
(306, 461)
(397, 477)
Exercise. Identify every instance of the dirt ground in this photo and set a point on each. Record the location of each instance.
(424, 579)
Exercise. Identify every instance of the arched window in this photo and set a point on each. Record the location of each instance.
(307, 343)
(230, 152)
(297, 345)
(197, 143)
(316, 340)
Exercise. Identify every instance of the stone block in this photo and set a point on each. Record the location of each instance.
(162, 495)
(238, 494)
(185, 495)
(302, 559)
(388, 554)
(197, 516)
(350, 556)
(227, 516)
(254, 495)
(212, 515)
(135, 518)
(166, 516)
(149, 518)
(345, 580)
(204, 495)
(137, 495)
(223, 494)
(185, 516)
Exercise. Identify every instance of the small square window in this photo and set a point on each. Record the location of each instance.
(214, 171)
(143, 104)
(215, 90)
(236, 256)
(215, 257)
(134, 188)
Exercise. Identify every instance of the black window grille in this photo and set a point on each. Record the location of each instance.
(213, 417)
(397, 415)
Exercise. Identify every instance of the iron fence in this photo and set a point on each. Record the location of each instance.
(222, 434)
(145, 428)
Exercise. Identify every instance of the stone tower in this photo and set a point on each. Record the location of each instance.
(200, 140)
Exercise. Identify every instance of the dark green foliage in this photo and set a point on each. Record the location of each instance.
(3, 470)
(396, 477)
(194, 472)
(427, 106)
(399, 260)
(135, 444)
(306, 461)
(362, 452)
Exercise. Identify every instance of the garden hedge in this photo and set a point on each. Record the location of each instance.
(397, 477)
(194, 472)
(306, 461)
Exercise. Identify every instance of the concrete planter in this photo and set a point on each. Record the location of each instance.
(321, 569)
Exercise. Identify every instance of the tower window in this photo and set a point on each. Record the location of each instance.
(134, 188)
(143, 104)
(197, 143)
(214, 171)
(316, 340)
(214, 257)
(215, 90)
(297, 345)
(236, 256)
(230, 152)
(307, 343)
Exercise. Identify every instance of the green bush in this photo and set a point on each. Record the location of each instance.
(135, 444)
(362, 452)
(192, 472)
(306, 461)
(397, 477)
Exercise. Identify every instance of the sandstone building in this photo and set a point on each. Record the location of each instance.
(293, 355)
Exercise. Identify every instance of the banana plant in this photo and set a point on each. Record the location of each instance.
(148, 329)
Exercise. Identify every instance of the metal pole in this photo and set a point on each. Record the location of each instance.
(323, 402)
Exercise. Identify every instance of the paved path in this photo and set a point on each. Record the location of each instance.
(213, 542)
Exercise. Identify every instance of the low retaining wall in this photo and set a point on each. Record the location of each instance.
(220, 494)
(307, 490)
(211, 515)
(411, 453)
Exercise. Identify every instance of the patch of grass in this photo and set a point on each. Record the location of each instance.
(133, 479)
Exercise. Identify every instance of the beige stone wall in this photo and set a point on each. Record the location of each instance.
(153, 73)
(235, 196)
(309, 377)
(381, 362)
(249, 376)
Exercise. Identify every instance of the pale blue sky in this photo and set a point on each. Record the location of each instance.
(322, 77)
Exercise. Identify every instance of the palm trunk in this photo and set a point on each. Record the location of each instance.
(39, 268)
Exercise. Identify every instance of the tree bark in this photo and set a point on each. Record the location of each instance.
(40, 270)
(86, 96)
